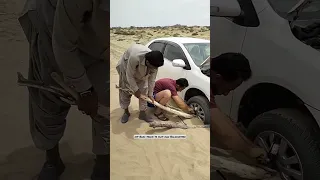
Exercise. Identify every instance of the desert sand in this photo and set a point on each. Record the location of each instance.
(154, 159)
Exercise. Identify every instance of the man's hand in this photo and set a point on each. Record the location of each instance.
(257, 153)
(191, 110)
(137, 94)
(88, 103)
(152, 99)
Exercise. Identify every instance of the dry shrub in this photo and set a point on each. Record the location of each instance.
(176, 35)
(123, 32)
(204, 29)
(137, 41)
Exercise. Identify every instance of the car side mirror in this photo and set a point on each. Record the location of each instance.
(225, 8)
(178, 63)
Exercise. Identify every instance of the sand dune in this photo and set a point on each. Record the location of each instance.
(139, 159)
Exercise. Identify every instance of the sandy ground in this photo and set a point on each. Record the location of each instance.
(175, 159)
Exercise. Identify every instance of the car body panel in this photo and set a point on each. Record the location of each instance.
(275, 54)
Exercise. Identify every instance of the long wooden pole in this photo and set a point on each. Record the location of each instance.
(232, 166)
(168, 109)
(169, 124)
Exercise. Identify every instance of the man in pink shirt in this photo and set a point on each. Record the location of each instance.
(227, 72)
(167, 88)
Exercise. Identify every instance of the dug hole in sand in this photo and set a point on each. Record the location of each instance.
(153, 159)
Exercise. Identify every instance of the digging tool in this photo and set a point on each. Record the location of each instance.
(65, 93)
(168, 124)
(226, 164)
(168, 109)
(61, 92)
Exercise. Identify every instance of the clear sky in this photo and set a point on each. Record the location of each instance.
(127, 13)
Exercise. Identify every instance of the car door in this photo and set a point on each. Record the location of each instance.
(227, 34)
(171, 52)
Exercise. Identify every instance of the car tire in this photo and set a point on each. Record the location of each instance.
(300, 130)
(204, 104)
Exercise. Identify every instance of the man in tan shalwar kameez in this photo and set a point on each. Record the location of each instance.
(71, 38)
(137, 71)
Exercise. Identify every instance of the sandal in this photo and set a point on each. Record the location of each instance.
(161, 116)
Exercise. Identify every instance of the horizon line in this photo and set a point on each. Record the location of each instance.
(177, 25)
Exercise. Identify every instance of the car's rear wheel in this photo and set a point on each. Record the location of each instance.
(201, 106)
(295, 139)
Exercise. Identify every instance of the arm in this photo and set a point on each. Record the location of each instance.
(151, 82)
(180, 102)
(67, 25)
(133, 62)
(223, 129)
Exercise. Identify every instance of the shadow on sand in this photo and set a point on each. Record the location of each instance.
(25, 164)
(129, 128)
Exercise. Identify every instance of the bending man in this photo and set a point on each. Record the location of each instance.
(137, 71)
(71, 38)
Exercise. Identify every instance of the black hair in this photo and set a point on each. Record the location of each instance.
(231, 66)
(155, 58)
(182, 82)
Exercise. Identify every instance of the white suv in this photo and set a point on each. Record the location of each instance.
(187, 58)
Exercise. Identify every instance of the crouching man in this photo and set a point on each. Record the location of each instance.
(164, 90)
(227, 72)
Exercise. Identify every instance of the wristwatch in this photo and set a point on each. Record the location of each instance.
(87, 92)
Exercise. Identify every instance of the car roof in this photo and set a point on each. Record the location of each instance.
(182, 40)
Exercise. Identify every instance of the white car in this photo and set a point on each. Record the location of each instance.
(280, 105)
(184, 58)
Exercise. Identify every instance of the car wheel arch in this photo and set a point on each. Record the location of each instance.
(263, 97)
(191, 92)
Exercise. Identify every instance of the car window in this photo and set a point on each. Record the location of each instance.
(199, 52)
(310, 12)
(157, 46)
(282, 7)
(249, 17)
(171, 53)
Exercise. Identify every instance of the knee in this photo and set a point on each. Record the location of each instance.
(167, 93)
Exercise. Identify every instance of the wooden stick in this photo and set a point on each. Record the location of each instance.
(55, 76)
(232, 166)
(173, 111)
(39, 85)
(64, 96)
(169, 124)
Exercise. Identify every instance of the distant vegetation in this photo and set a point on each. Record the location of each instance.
(146, 33)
